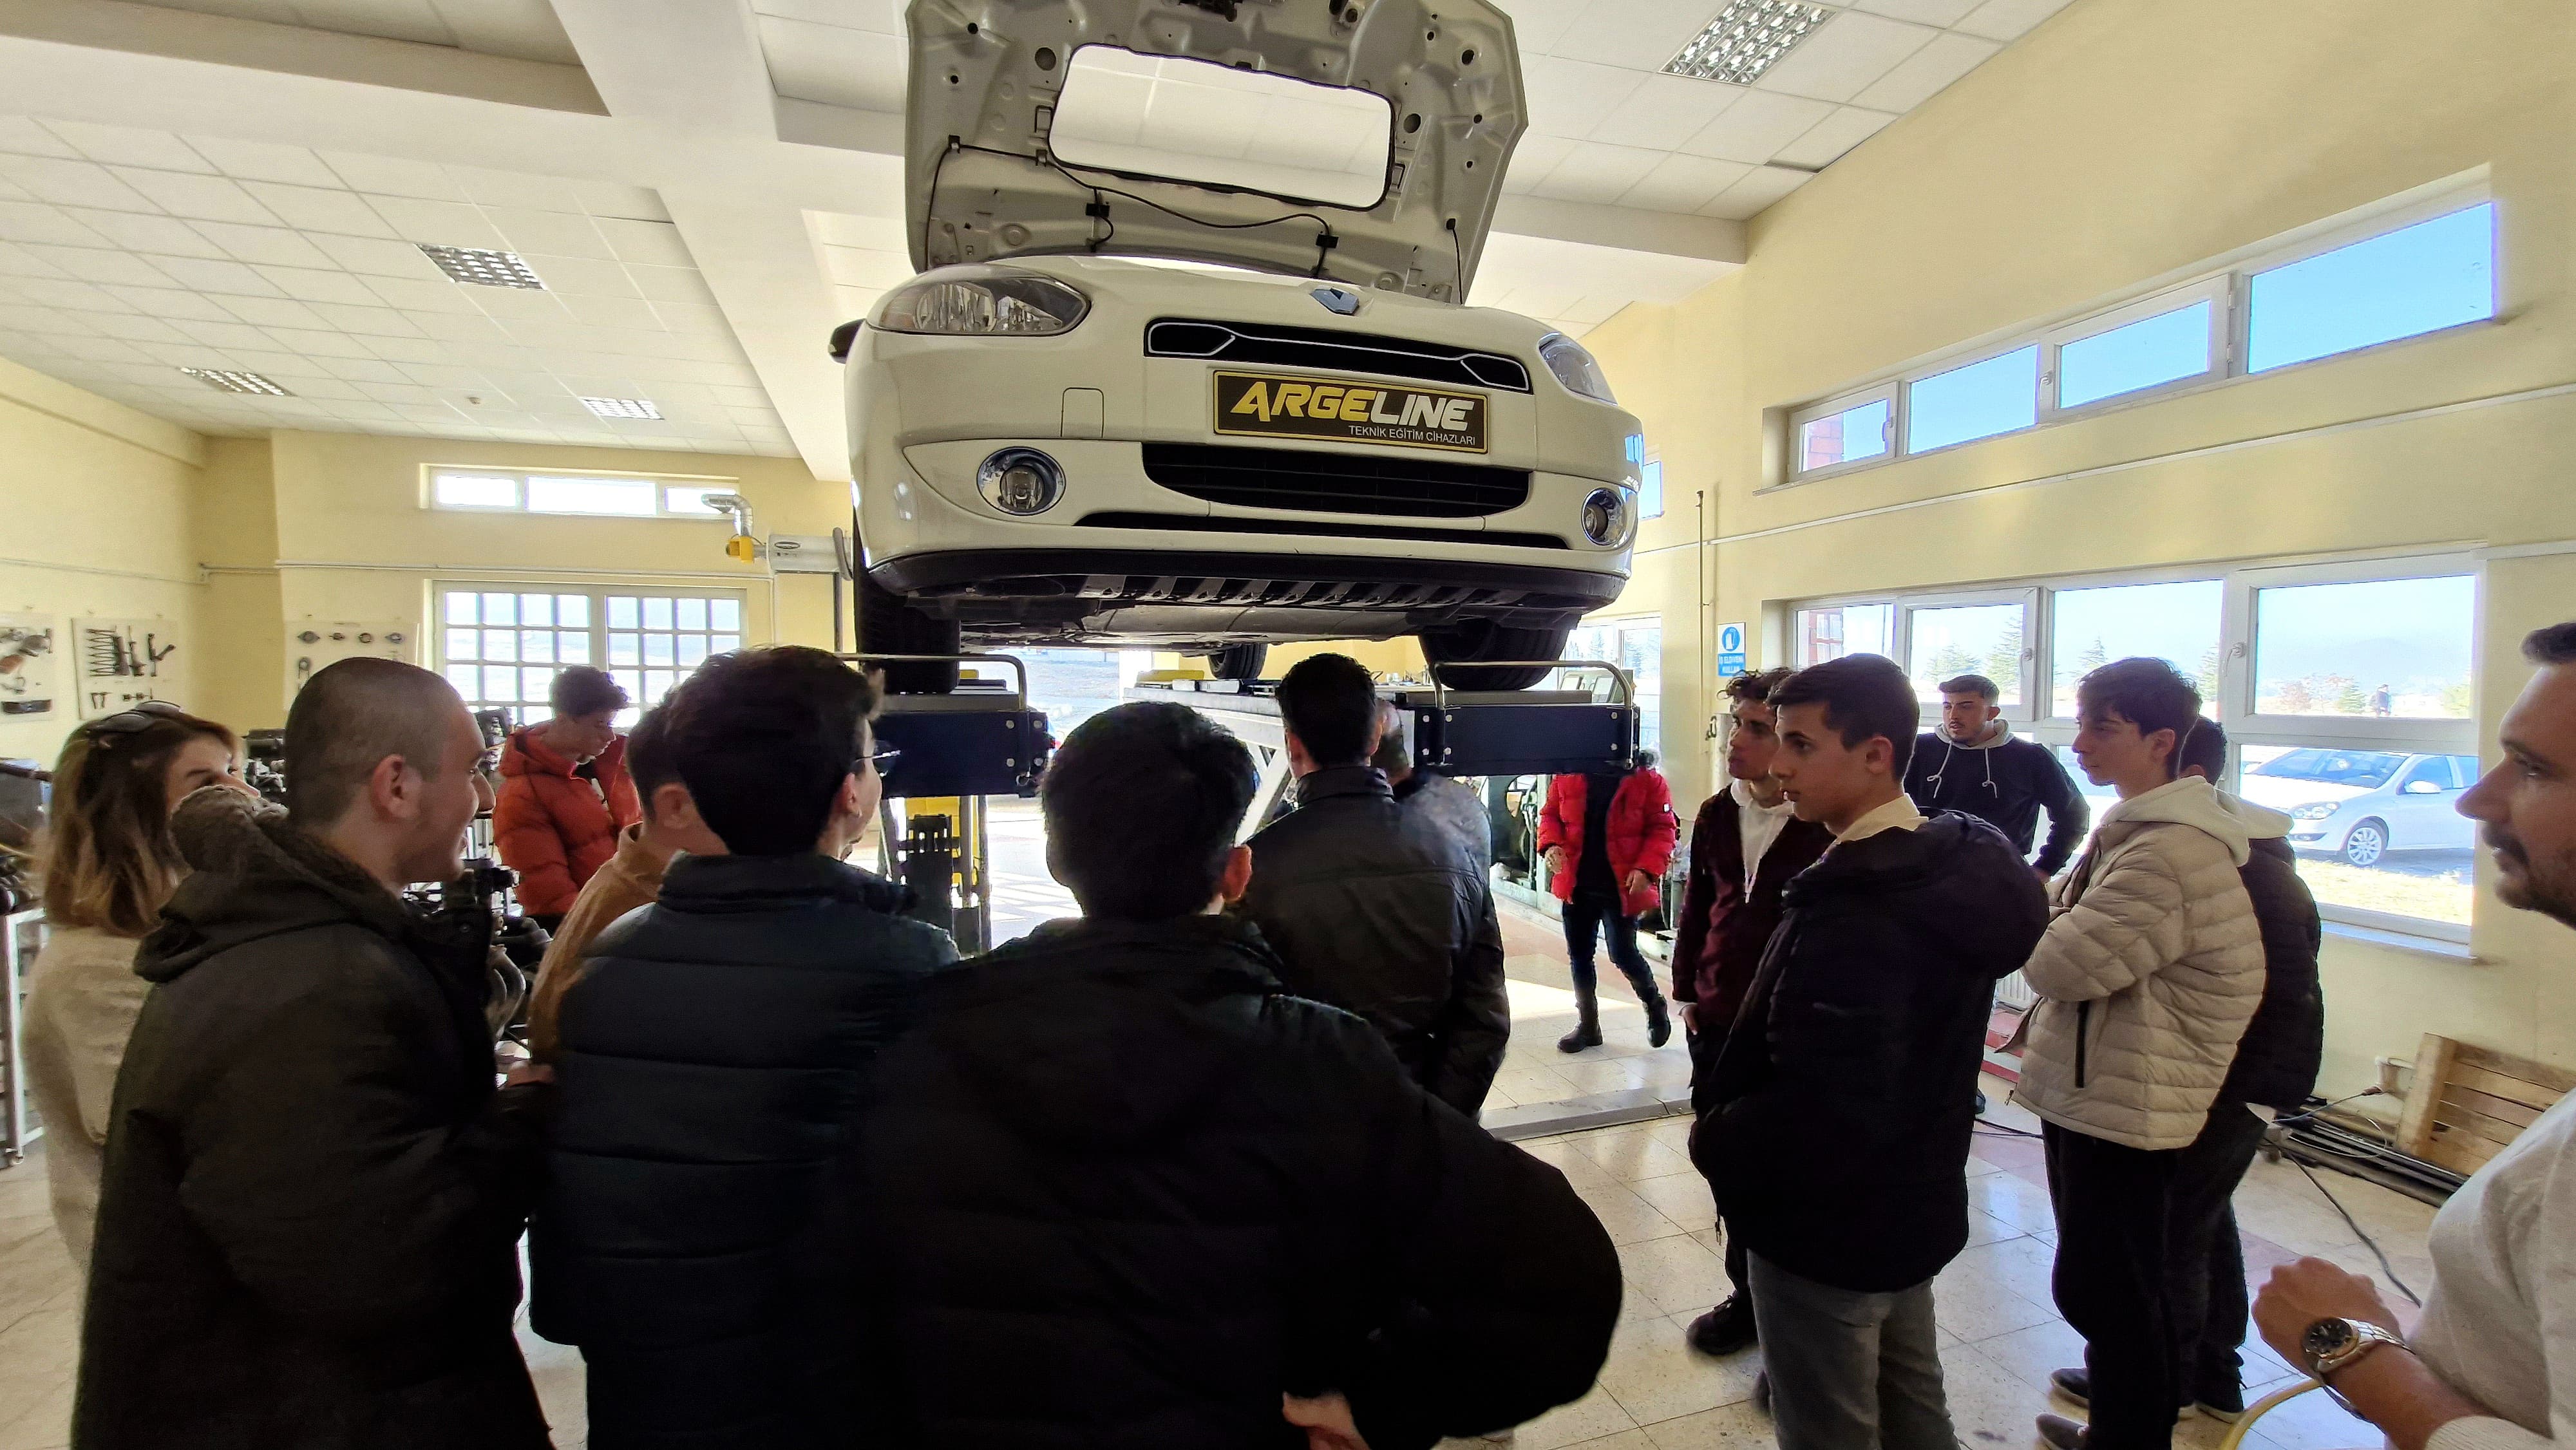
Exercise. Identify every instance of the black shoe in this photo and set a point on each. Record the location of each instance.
(2059, 1433)
(2074, 1384)
(2223, 1403)
(1659, 1022)
(1586, 1033)
(1981, 1105)
(1725, 1329)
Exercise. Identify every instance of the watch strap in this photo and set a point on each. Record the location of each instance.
(2366, 1337)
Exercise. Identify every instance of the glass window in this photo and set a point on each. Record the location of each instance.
(508, 658)
(2178, 623)
(474, 491)
(2364, 839)
(2151, 350)
(1849, 436)
(460, 608)
(691, 499)
(2375, 648)
(1845, 629)
(1973, 639)
(629, 497)
(1635, 645)
(2416, 279)
(1980, 400)
(1650, 489)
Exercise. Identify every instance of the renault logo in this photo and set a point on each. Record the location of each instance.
(1338, 300)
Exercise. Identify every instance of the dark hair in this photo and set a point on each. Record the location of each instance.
(109, 861)
(1863, 695)
(348, 718)
(1154, 762)
(763, 739)
(1977, 685)
(2148, 693)
(1331, 703)
(1751, 688)
(2553, 645)
(582, 690)
(648, 753)
(1394, 742)
(2203, 746)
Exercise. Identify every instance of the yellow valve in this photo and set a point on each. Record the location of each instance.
(742, 549)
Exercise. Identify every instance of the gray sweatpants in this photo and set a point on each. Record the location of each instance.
(1850, 1371)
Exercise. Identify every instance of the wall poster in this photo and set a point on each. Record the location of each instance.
(27, 667)
(123, 662)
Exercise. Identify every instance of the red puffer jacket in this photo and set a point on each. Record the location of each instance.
(1642, 833)
(554, 827)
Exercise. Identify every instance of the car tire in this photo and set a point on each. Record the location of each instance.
(889, 626)
(1239, 661)
(1470, 641)
(2366, 842)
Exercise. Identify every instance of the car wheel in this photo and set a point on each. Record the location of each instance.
(2366, 843)
(888, 626)
(1239, 661)
(1471, 641)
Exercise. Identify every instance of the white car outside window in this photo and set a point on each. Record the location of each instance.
(2362, 804)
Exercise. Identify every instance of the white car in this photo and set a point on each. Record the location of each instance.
(1185, 366)
(2363, 804)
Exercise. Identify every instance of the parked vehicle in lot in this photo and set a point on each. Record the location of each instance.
(1059, 436)
(2362, 804)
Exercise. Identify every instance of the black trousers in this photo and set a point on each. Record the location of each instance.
(1585, 917)
(1703, 1055)
(2114, 1280)
(2208, 1258)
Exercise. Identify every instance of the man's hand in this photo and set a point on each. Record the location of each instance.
(1554, 856)
(1690, 1017)
(1639, 882)
(528, 1072)
(2301, 1293)
(1326, 1420)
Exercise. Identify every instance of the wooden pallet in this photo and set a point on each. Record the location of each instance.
(2467, 1103)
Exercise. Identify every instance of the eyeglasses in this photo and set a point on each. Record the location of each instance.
(129, 722)
(883, 758)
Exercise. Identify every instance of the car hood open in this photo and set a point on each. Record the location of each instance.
(983, 180)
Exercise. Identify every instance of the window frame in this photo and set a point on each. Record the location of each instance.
(2220, 292)
(2027, 597)
(598, 629)
(1890, 392)
(1959, 362)
(662, 483)
(2379, 224)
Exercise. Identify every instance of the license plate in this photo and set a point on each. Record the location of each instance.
(1350, 410)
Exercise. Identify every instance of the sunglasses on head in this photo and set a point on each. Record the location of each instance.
(129, 722)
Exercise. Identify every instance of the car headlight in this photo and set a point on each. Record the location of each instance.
(1020, 481)
(983, 302)
(1607, 517)
(1574, 367)
(2316, 811)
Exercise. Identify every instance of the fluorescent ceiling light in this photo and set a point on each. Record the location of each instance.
(1745, 38)
(622, 407)
(227, 380)
(482, 268)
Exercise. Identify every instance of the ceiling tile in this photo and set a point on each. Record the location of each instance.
(407, 350)
(1570, 97)
(1683, 184)
(615, 200)
(2009, 19)
(1532, 159)
(318, 344)
(1597, 173)
(671, 284)
(17, 261)
(126, 146)
(75, 183)
(1756, 127)
(1842, 57)
(204, 275)
(550, 233)
(835, 64)
(34, 221)
(274, 312)
(1639, 34)
(206, 198)
(137, 232)
(1922, 75)
(96, 264)
(265, 161)
(1921, 12)
(1761, 187)
(64, 292)
(174, 305)
(276, 246)
(515, 189)
(627, 312)
(1846, 128)
(314, 284)
(366, 321)
(1665, 111)
(414, 295)
(439, 223)
(22, 136)
(222, 334)
(657, 243)
(378, 258)
(320, 209)
(135, 327)
(583, 277)
(1539, 24)
(393, 176)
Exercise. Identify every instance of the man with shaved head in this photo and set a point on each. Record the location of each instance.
(313, 1194)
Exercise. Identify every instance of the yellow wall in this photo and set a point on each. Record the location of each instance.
(2119, 143)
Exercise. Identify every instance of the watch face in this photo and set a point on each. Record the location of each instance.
(2327, 1338)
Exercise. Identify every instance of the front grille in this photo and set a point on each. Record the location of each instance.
(1206, 524)
(1249, 592)
(1310, 347)
(1336, 483)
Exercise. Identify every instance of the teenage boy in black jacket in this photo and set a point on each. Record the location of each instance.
(1841, 1104)
(1974, 763)
(1132, 1194)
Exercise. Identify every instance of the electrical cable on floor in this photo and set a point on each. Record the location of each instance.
(2367, 1241)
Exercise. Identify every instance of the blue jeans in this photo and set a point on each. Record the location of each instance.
(1585, 916)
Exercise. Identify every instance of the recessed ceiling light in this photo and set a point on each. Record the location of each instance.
(622, 407)
(1745, 38)
(230, 381)
(482, 268)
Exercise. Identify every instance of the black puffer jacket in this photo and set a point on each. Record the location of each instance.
(1130, 1194)
(309, 1214)
(1382, 911)
(1844, 1097)
(694, 1238)
(2283, 1047)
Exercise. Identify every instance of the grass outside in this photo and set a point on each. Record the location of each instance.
(2437, 898)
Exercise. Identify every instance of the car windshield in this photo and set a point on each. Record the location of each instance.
(2364, 768)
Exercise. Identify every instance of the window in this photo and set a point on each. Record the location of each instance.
(1650, 489)
(2171, 339)
(1072, 685)
(1844, 433)
(632, 496)
(2176, 622)
(1980, 400)
(1635, 645)
(2384, 649)
(2417, 279)
(1945, 642)
(502, 649)
(1845, 629)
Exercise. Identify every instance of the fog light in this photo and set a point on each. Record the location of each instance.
(1605, 517)
(1020, 481)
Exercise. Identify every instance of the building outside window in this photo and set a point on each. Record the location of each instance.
(501, 648)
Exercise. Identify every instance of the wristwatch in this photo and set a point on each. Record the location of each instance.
(2334, 1344)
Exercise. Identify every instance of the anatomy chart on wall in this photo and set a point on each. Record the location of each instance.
(26, 666)
(312, 644)
(124, 662)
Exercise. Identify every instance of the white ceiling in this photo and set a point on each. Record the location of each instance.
(521, 29)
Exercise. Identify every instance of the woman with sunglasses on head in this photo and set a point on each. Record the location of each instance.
(108, 865)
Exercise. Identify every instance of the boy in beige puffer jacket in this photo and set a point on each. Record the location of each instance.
(2151, 966)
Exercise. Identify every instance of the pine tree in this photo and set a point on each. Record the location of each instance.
(2210, 663)
(2003, 661)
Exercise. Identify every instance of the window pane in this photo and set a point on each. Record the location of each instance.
(1846, 629)
(657, 683)
(723, 642)
(463, 644)
(692, 500)
(460, 608)
(692, 613)
(468, 680)
(537, 609)
(535, 681)
(1650, 491)
(2434, 274)
(693, 650)
(537, 646)
(500, 684)
(1846, 437)
(1976, 401)
(2142, 354)
(500, 644)
(631, 681)
(500, 609)
(725, 613)
(474, 491)
(628, 496)
(622, 613)
(1975, 639)
(657, 649)
(2383, 647)
(2177, 623)
(624, 649)
(572, 611)
(2363, 838)
(574, 648)
(657, 614)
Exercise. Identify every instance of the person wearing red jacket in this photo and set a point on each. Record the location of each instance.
(565, 794)
(1607, 839)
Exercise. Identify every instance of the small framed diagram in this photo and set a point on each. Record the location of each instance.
(123, 662)
(27, 666)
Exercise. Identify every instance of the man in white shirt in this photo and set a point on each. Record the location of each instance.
(2492, 1364)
